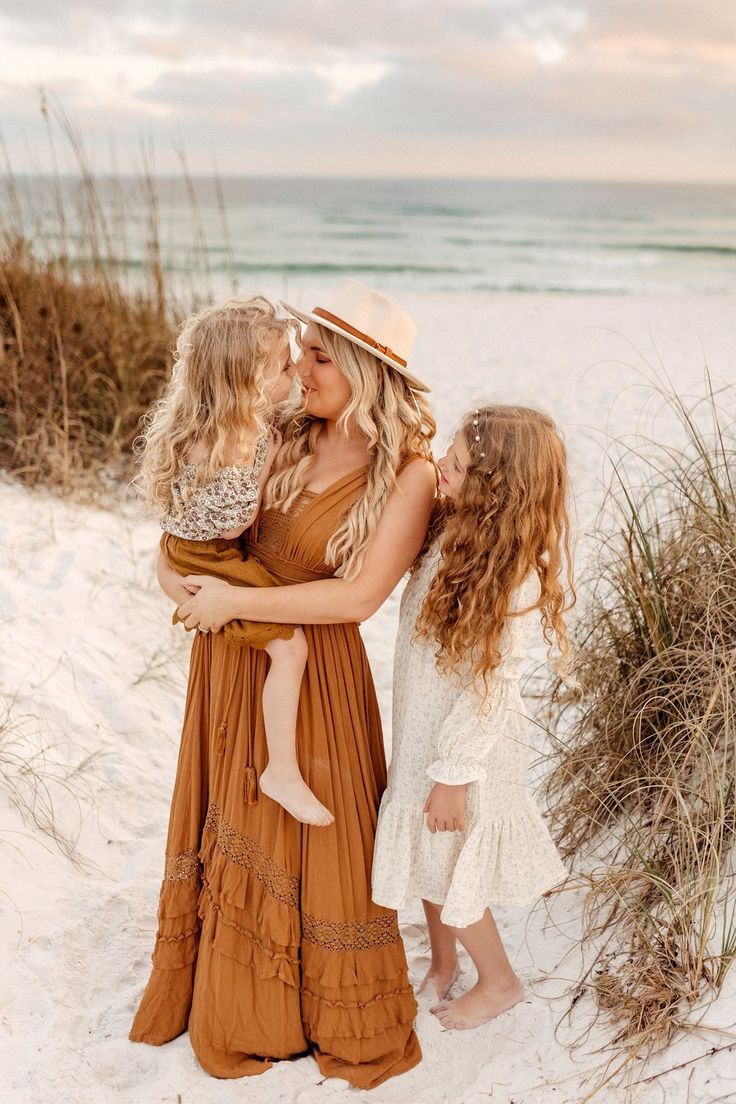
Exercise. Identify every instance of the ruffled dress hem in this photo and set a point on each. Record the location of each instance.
(355, 1003)
(506, 860)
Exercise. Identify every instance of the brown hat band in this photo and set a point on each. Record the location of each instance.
(361, 336)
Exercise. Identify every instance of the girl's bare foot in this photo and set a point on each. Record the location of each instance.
(294, 795)
(438, 981)
(477, 1006)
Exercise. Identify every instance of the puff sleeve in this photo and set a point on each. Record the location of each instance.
(473, 725)
(467, 736)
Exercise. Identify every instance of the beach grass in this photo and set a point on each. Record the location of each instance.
(642, 781)
(85, 336)
(82, 361)
(50, 788)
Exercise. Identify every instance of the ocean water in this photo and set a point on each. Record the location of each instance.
(285, 235)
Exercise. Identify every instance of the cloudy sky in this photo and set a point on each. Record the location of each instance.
(602, 89)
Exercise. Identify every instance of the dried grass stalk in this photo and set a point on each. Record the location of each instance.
(641, 789)
(81, 362)
(41, 781)
(85, 333)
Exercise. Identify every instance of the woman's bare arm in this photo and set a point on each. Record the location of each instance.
(398, 538)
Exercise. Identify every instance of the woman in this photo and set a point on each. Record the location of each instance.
(269, 945)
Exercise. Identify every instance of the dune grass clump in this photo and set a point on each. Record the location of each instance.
(82, 359)
(642, 787)
(87, 321)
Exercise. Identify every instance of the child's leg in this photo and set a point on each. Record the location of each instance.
(497, 988)
(282, 780)
(444, 967)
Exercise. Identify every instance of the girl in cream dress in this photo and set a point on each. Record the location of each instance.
(458, 826)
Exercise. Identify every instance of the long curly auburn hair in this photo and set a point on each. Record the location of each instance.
(509, 519)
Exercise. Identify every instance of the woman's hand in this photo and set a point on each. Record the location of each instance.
(445, 808)
(211, 606)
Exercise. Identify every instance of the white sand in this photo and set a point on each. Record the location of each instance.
(92, 671)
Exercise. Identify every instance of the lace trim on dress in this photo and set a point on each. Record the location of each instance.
(343, 935)
(181, 867)
(275, 525)
(246, 852)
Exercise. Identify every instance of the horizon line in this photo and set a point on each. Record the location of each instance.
(438, 179)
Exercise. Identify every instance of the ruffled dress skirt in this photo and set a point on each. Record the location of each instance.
(503, 859)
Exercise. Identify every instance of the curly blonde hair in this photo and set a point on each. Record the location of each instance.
(397, 423)
(216, 394)
(510, 519)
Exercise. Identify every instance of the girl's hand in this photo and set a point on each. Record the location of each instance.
(445, 808)
(273, 447)
(208, 608)
(172, 584)
(185, 593)
(265, 472)
(277, 438)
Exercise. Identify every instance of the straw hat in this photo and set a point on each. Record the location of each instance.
(369, 320)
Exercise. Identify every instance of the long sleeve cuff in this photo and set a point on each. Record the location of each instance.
(455, 773)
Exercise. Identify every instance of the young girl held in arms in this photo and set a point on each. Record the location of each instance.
(207, 452)
(457, 825)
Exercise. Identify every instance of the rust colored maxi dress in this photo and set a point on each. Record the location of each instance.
(268, 943)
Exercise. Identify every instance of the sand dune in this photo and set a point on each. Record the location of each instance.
(92, 676)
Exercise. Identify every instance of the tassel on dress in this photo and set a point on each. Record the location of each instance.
(250, 786)
(220, 738)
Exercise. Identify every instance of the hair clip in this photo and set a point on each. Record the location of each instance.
(477, 435)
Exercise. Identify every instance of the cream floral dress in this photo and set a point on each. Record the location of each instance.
(505, 855)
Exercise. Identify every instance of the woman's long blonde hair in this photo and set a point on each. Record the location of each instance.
(216, 394)
(509, 519)
(397, 423)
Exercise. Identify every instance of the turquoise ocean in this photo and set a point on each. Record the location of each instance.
(287, 235)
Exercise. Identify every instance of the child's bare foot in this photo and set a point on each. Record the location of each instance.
(294, 795)
(438, 981)
(477, 1006)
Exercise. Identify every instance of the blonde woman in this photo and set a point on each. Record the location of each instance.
(269, 945)
(204, 458)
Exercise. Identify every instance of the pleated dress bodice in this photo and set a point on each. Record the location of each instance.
(293, 544)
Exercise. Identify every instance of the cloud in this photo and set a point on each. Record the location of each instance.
(443, 86)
